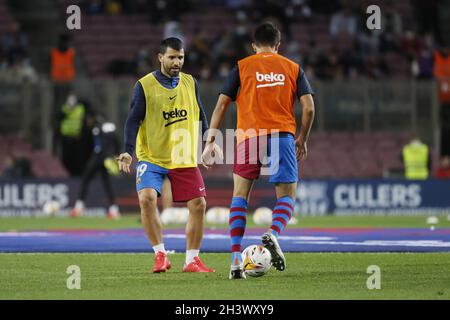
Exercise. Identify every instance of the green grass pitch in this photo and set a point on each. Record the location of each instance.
(308, 275)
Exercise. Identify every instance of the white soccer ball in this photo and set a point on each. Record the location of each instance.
(217, 215)
(262, 215)
(432, 220)
(174, 216)
(51, 208)
(256, 260)
(181, 215)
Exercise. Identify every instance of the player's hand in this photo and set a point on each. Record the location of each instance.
(124, 162)
(301, 149)
(210, 153)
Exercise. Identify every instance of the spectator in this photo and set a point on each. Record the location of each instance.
(442, 74)
(443, 172)
(199, 59)
(344, 22)
(293, 51)
(376, 67)
(143, 62)
(172, 28)
(62, 69)
(14, 61)
(14, 40)
(416, 160)
(391, 26)
(106, 146)
(92, 7)
(425, 58)
(353, 64)
(17, 168)
(298, 9)
(74, 119)
(113, 7)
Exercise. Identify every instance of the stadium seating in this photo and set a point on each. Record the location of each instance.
(343, 155)
(353, 155)
(44, 164)
(100, 35)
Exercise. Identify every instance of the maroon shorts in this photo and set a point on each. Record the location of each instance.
(186, 184)
(247, 157)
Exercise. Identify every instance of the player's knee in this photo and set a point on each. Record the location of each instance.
(147, 201)
(199, 205)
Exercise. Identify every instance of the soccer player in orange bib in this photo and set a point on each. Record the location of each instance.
(265, 86)
(166, 107)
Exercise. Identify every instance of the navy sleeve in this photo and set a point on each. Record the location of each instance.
(232, 84)
(203, 118)
(135, 117)
(303, 86)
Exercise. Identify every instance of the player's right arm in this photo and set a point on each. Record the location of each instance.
(135, 116)
(228, 94)
(211, 147)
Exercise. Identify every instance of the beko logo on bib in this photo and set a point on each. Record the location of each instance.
(176, 115)
(274, 79)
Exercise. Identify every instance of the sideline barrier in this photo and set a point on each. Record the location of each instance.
(314, 197)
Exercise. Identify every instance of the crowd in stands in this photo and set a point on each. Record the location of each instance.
(15, 65)
(329, 39)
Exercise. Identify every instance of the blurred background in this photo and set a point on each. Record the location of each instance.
(382, 98)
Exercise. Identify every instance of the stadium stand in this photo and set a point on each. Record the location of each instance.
(44, 164)
(97, 41)
(112, 39)
(353, 155)
(344, 155)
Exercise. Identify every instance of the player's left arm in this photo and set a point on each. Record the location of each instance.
(305, 95)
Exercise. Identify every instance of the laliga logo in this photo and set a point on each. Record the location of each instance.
(274, 79)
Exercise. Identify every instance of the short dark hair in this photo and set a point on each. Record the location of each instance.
(172, 42)
(267, 34)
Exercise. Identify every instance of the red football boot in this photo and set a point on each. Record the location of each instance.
(197, 266)
(162, 263)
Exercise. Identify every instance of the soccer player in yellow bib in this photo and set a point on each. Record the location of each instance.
(163, 123)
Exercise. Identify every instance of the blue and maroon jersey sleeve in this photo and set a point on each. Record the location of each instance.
(303, 86)
(232, 84)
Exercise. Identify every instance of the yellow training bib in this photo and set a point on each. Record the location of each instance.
(168, 135)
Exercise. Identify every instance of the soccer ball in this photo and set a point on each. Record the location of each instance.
(51, 208)
(174, 216)
(262, 215)
(217, 215)
(257, 260)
